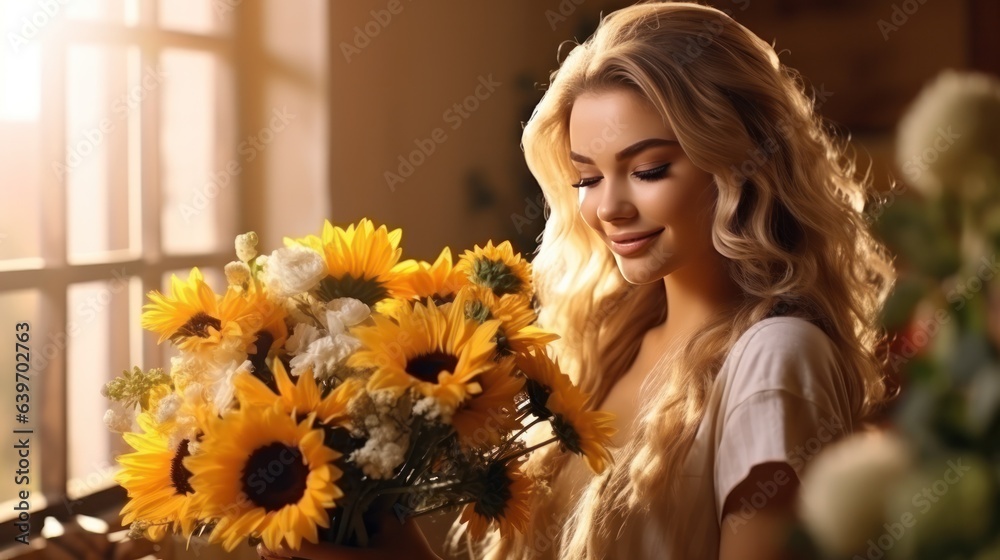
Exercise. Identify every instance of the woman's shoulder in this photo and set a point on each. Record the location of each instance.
(788, 354)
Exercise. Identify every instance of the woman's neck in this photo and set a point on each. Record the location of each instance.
(697, 292)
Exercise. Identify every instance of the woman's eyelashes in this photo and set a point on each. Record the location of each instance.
(654, 174)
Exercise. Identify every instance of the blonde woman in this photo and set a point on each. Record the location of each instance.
(708, 266)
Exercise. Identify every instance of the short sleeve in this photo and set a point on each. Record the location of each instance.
(784, 400)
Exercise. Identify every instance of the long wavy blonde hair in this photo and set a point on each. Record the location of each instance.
(791, 226)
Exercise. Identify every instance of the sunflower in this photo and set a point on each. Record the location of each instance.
(158, 485)
(440, 281)
(193, 317)
(258, 473)
(481, 420)
(517, 334)
(439, 352)
(584, 432)
(504, 501)
(265, 321)
(301, 397)
(498, 269)
(543, 379)
(361, 262)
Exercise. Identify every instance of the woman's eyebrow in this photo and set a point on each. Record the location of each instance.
(629, 151)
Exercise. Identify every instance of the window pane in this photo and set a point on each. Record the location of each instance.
(109, 11)
(22, 306)
(20, 135)
(197, 188)
(205, 17)
(97, 351)
(105, 96)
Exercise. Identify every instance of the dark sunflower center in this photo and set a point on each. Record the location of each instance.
(275, 476)
(538, 396)
(179, 475)
(368, 290)
(496, 494)
(198, 326)
(566, 433)
(440, 300)
(426, 367)
(504, 348)
(477, 311)
(495, 275)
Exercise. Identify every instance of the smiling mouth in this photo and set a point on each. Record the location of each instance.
(634, 239)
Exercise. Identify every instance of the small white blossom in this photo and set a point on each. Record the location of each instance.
(167, 407)
(293, 270)
(384, 451)
(118, 418)
(378, 460)
(237, 273)
(431, 409)
(343, 313)
(324, 354)
(302, 336)
(246, 246)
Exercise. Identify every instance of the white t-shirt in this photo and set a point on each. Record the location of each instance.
(780, 396)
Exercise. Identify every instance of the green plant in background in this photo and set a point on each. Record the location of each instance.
(929, 486)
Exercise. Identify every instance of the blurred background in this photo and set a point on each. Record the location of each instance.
(138, 137)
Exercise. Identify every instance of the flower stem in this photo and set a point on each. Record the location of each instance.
(442, 506)
(528, 450)
(506, 445)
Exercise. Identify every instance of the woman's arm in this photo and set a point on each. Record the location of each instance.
(749, 532)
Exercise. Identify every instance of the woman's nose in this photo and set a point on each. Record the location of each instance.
(615, 203)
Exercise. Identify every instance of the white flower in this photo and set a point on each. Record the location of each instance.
(167, 407)
(206, 382)
(844, 492)
(302, 336)
(384, 451)
(431, 409)
(950, 136)
(324, 354)
(293, 270)
(119, 419)
(246, 246)
(237, 273)
(343, 313)
(223, 391)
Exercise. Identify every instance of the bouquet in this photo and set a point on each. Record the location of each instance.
(331, 382)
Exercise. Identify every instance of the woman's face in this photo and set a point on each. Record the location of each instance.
(637, 182)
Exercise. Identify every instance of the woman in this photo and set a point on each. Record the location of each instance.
(708, 266)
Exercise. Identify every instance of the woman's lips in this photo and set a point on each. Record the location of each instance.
(628, 248)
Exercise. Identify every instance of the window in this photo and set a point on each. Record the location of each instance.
(116, 121)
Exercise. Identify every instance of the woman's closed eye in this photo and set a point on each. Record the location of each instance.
(653, 174)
